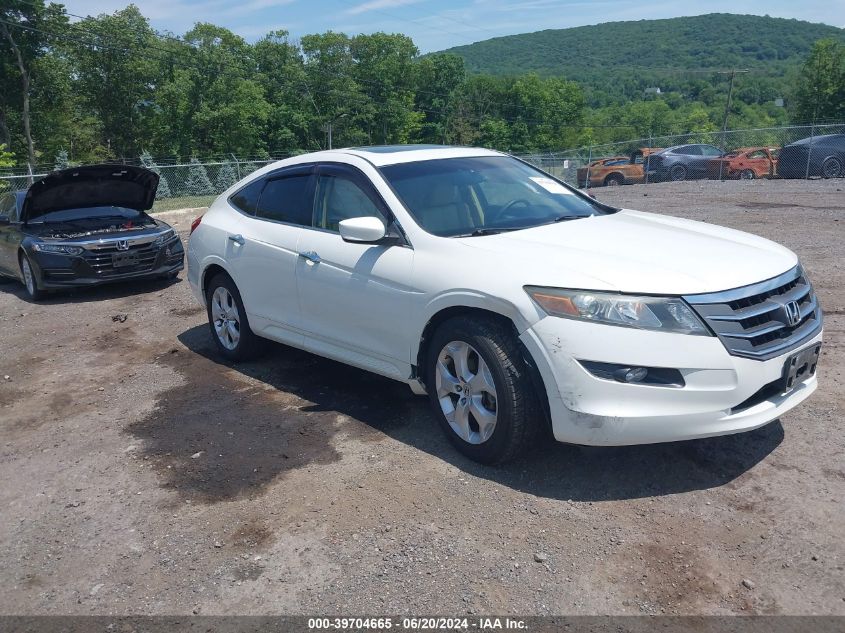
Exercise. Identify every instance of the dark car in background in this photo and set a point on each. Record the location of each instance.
(681, 162)
(822, 156)
(85, 226)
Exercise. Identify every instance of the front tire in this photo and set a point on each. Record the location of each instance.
(614, 180)
(480, 389)
(747, 174)
(30, 282)
(678, 173)
(228, 322)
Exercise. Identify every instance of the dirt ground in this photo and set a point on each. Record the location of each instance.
(142, 475)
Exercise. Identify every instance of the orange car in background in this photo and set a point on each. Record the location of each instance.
(746, 163)
(618, 170)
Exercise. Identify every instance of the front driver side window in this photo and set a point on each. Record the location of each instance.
(339, 198)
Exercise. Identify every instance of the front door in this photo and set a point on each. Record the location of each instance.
(354, 298)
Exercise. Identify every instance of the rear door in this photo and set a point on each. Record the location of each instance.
(699, 166)
(261, 248)
(355, 298)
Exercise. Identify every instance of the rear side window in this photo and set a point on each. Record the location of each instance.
(690, 150)
(288, 199)
(247, 198)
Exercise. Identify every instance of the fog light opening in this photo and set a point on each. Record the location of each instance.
(631, 374)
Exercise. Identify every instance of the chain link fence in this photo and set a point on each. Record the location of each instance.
(190, 184)
(782, 152)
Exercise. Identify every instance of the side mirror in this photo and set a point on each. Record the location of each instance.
(364, 230)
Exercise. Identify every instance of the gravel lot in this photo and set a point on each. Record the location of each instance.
(141, 475)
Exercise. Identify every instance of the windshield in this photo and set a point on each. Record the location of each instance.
(476, 196)
(89, 213)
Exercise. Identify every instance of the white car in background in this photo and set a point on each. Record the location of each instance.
(514, 301)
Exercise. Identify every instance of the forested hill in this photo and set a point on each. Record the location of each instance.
(620, 59)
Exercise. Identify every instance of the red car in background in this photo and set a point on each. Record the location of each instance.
(746, 163)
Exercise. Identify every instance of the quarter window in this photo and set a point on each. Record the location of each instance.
(287, 199)
(338, 199)
(246, 199)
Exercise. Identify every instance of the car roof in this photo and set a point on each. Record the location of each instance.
(382, 155)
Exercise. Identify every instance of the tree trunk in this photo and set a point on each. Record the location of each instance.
(27, 129)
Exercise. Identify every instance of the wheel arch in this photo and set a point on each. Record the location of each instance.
(208, 274)
(452, 311)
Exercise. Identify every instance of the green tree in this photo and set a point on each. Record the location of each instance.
(226, 176)
(163, 190)
(118, 74)
(438, 77)
(61, 160)
(24, 28)
(7, 159)
(821, 88)
(198, 183)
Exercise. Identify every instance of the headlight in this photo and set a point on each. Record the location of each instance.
(667, 314)
(164, 237)
(60, 249)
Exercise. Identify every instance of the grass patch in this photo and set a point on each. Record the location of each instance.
(186, 202)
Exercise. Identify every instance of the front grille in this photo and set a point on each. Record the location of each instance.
(753, 321)
(100, 260)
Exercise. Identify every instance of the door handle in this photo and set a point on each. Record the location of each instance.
(311, 256)
(238, 239)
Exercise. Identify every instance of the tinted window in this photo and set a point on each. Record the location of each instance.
(709, 150)
(287, 199)
(475, 196)
(339, 198)
(690, 150)
(247, 198)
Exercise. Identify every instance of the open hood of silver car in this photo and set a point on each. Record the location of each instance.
(91, 186)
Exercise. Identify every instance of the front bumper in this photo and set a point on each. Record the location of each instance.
(54, 271)
(589, 410)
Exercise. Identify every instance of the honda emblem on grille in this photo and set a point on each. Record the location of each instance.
(793, 312)
(123, 245)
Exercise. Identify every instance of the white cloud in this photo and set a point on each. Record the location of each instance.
(375, 5)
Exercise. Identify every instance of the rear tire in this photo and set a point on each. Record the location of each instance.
(832, 168)
(614, 180)
(481, 390)
(747, 174)
(228, 322)
(30, 282)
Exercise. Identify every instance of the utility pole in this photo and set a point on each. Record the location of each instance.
(732, 72)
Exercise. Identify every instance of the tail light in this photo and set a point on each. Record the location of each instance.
(195, 224)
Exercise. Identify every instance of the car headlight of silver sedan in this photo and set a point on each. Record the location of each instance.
(666, 314)
(58, 249)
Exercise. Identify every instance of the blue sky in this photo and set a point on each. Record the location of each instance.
(439, 24)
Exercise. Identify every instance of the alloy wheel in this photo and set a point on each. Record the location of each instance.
(225, 317)
(466, 392)
(28, 276)
(832, 168)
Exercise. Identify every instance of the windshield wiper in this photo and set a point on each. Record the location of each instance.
(485, 231)
(566, 218)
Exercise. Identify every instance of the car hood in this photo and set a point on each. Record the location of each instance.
(91, 186)
(636, 252)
